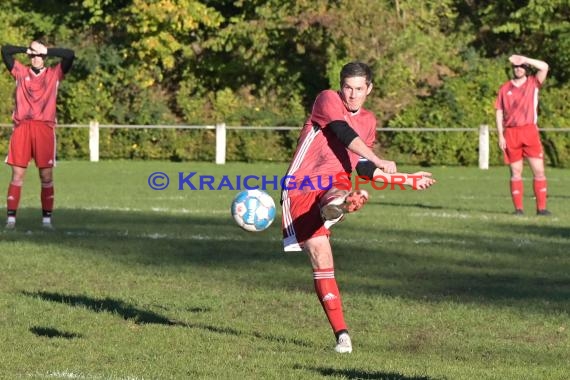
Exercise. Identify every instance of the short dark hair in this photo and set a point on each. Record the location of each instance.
(356, 69)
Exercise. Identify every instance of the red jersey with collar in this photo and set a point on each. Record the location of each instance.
(519, 104)
(320, 154)
(36, 94)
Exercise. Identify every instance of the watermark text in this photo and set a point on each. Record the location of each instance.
(343, 181)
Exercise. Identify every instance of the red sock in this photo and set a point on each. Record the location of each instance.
(47, 196)
(539, 186)
(517, 193)
(329, 296)
(13, 199)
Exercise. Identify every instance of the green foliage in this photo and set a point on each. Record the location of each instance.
(72, 143)
(157, 144)
(464, 101)
(404, 42)
(537, 28)
(159, 30)
(258, 145)
(255, 144)
(554, 111)
(261, 63)
(6, 92)
(5, 133)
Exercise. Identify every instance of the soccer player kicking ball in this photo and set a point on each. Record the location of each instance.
(337, 138)
(34, 119)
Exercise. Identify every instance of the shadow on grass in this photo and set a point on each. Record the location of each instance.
(423, 206)
(362, 374)
(458, 264)
(140, 316)
(49, 332)
(523, 265)
(109, 305)
(407, 205)
(542, 230)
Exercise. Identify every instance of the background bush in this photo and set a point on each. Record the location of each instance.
(437, 64)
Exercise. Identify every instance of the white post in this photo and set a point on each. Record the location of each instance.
(94, 141)
(484, 146)
(221, 143)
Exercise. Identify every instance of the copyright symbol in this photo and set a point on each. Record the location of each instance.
(158, 181)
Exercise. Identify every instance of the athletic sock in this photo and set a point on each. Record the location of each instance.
(329, 296)
(13, 200)
(47, 198)
(517, 193)
(339, 333)
(539, 186)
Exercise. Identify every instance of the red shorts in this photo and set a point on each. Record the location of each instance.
(522, 142)
(302, 219)
(32, 139)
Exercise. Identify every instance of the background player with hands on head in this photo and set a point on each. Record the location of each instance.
(337, 138)
(516, 119)
(34, 120)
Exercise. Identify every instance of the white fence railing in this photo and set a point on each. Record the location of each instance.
(221, 129)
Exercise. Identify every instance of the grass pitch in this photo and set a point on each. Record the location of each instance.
(143, 284)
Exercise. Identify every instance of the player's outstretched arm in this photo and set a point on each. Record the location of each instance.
(541, 66)
(359, 147)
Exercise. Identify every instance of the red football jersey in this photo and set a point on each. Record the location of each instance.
(36, 93)
(519, 104)
(319, 152)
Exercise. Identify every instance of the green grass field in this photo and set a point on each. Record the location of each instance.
(144, 284)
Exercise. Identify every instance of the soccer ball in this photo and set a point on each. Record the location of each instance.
(253, 210)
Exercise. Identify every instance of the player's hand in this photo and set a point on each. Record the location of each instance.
(421, 180)
(37, 48)
(355, 200)
(502, 143)
(517, 59)
(388, 167)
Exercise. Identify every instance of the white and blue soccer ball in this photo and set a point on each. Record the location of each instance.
(253, 210)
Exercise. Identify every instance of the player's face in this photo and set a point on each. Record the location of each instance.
(37, 60)
(354, 92)
(519, 71)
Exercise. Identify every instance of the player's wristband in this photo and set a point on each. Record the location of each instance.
(366, 169)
